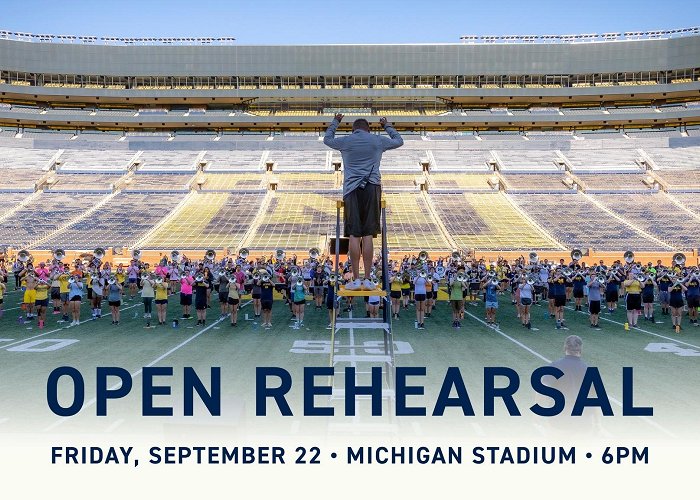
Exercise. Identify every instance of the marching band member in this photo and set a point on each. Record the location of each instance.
(527, 291)
(318, 280)
(120, 275)
(161, 296)
(186, 284)
(594, 296)
(3, 289)
(56, 289)
(559, 293)
(75, 297)
(331, 304)
(664, 283)
(298, 296)
(612, 291)
(223, 294)
(174, 277)
(648, 298)
(132, 273)
(633, 300)
(114, 298)
(201, 287)
(456, 292)
(234, 299)
(266, 296)
(97, 285)
(28, 283)
(42, 300)
(676, 302)
(395, 294)
(148, 294)
(578, 282)
(692, 295)
(420, 284)
(491, 288)
(256, 291)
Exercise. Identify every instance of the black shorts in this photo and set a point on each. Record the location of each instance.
(77, 298)
(232, 301)
(526, 302)
(395, 294)
(200, 305)
(42, 303)
(361, 212)
(474, 287)
(559, 300)
(266, 305)
(611, 297)
(185, 299)
(330, 304)
(161, 301)
(56, 293)
(634, 302)
(420, 297)
(428, 295)
(648, 299)
(256, 296)
(693, 301)
(676, 303)
(89, 293)
(406, 292)
(578, 293)
(594, 306)
(299, 302)
(115, 303)
(223, 297)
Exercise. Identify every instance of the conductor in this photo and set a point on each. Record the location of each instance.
(362, 192)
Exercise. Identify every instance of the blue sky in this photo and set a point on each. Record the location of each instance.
(358, 21)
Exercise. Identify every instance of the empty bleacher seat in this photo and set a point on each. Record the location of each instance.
(94, 160)
(487, 221)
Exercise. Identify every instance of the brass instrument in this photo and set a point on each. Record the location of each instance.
(59, 254)
(210, 255)
(23, 256)
(175, 256)
(534, 258)
(314, 253)
(628, 256)
(99, 253)
(576, 254)
(136, 254)
(280, 254)
(679, 259)
(422, 256)
(243, 253)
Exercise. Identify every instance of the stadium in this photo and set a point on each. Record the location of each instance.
(520, 153)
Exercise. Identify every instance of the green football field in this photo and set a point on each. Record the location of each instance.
(666, 369)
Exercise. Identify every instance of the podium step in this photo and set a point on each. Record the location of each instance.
(361, 358)
(342, 292)
(361, 323)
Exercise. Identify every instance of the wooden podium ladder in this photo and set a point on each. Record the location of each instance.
(348, 351)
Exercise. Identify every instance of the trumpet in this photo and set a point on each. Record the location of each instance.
(530, 280)
(566, 272)
(294, 272)
(601, 279)
(641, 278)
(628, 256)
(175, 256)
(210, 255)
(423, 274)
(243, 253)
(111, 281)
(71, 280)
(494, 282)
(199, 277)
(99, 253)
(159, 280)
(491, 274)
(576, 254)
(256, 275)
(59, 254)
(300, 281)
(461, 277)
(314, 253)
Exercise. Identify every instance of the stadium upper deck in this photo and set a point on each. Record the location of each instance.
(573, 81)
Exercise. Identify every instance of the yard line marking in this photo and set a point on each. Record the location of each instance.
(613, 400)
(641, 330)
(56, 330)
(140, 370)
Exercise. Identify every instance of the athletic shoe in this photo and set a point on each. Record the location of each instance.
(41, 324)
(368, 285)
(354, 285)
